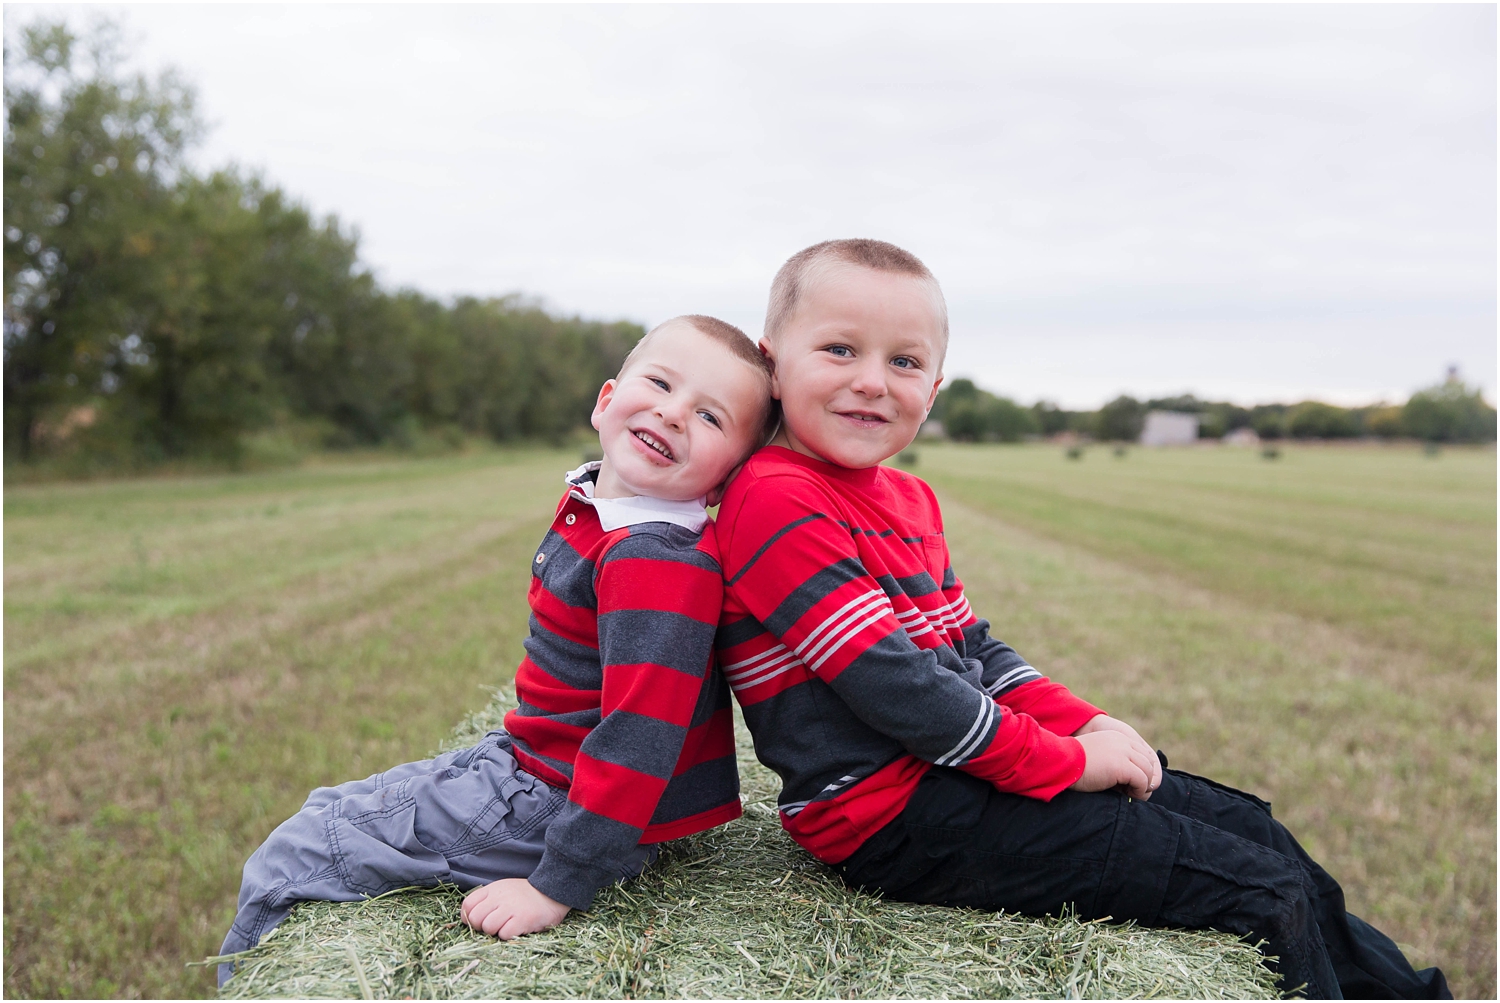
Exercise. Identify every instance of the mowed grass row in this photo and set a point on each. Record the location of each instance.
(186, 658)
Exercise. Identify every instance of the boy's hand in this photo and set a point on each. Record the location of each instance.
(1112, 759)
(509, 908)
(1103, 722)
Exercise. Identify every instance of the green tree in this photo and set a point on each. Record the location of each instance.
(965, 421)
(1316, 420)
(953, 392)
(1121, 419)
(206, 317)
(91, 163)
(1269, 420)
(1009, 421)
(1385, 421)
(1449, 412)
(970, 414)
(1050, 419)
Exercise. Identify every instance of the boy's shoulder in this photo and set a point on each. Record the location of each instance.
(778, 461)
(776, 479)
(772, 473)
(665, 537)
(662, 541)
(641, 528)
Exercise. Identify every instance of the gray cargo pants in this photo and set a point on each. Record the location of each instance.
(467, 817)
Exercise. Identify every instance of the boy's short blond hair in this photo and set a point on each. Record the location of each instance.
(794, 277)
(740, 346)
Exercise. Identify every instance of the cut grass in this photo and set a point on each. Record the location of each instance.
(186, 658)
(737, 912)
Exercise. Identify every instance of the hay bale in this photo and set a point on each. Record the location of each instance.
(740, 911)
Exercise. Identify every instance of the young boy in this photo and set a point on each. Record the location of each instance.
(623, 737)
(923, 758)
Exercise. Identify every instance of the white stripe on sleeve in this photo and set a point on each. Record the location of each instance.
(1012, 679)
(977, 731)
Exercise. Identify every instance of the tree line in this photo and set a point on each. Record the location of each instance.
(153, 311)
(1450, 411)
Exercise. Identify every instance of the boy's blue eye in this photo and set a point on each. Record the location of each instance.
(842, 351)
(660, 383)
(709, 417)
(904, 361)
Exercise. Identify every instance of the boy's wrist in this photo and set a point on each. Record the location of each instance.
(1089, 726)
(1040, 765)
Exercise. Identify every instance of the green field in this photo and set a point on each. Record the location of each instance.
(185, 658)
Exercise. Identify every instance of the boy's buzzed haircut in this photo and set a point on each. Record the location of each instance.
(792, 279)
(740, 346)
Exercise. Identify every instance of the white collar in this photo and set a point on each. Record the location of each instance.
(617, 513)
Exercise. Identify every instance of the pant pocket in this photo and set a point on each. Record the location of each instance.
(378, 850)
(490, 800)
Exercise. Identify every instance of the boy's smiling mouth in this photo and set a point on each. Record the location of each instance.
(864, 418)
(654, 444)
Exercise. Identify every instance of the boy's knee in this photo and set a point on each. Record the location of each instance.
(295, 849)
(1216, 804)
(321, 797)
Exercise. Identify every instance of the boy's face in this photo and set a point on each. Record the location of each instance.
(675, 423)
(858, 365)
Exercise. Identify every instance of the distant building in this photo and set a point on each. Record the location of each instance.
(1169, 428)
(1242, 437)
(932, 429)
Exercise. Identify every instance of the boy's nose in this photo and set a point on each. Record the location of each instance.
(672, 416)
(869, 381)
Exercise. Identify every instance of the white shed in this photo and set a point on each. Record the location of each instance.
(1169, 428)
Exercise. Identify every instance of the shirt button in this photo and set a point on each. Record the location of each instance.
(540, 558)
(571, 519)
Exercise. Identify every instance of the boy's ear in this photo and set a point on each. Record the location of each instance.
(769, 351)
(932, 397)
(605, 393)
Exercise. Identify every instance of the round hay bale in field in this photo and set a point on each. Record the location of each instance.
(739, 911)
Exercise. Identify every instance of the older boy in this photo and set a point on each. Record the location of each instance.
(623, 734)
(919, 755)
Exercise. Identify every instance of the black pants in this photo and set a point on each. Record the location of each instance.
(1197, 854)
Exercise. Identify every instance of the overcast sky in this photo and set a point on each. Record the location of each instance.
(1249, 202)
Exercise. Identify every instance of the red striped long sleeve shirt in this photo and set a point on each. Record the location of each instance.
(857, 660)
(619, 698)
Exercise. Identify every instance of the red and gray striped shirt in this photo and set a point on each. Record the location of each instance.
(857, 660)
(619, 699)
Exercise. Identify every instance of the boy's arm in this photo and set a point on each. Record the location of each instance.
(658, 609)
(1005, 675)
(798, 572)
(1013, 683)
